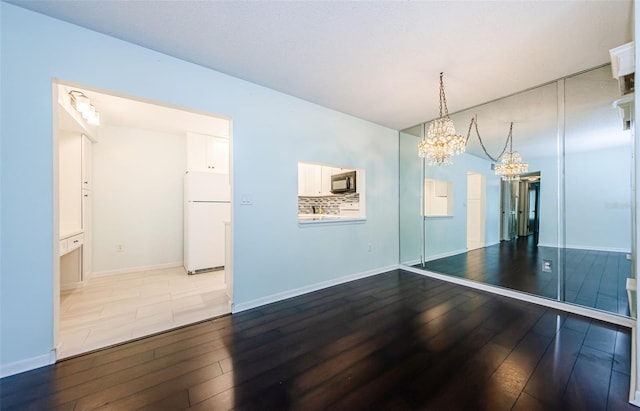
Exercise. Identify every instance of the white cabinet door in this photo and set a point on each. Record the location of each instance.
(207, 153)
(87, 227)
(218, 154)
(87, 163)
(70, 182)
(314, 180)
(71, 269)
(309, 180)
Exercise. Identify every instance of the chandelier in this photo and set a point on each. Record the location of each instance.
(441, 142)
(511, 164)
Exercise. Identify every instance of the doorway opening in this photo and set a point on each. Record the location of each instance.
(476, 206)
(520, 208)
(120, 219)
(534, 213)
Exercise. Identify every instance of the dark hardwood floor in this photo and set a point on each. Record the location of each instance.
(395, 341)
(595, 279)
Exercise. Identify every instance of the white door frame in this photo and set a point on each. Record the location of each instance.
(56, 197)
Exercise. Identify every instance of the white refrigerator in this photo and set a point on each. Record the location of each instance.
(207, 206)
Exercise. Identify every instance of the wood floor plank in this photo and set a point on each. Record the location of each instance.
(618, 399)
(588, 387)
(550, 378)
(508, 381)
(595, 279)
(393, 341)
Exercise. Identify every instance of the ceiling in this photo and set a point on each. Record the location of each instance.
(591, 119)
(376, 60)
(124, 111)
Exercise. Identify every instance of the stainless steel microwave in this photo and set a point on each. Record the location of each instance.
(343, 183)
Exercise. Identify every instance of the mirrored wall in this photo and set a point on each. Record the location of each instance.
(563, 230)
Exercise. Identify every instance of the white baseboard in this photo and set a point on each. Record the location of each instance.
(27, 364)
(447, 254)
(308, 289)
(596, 248)
(587, 247)
(518, 295)
(127, 270)
(443, 255)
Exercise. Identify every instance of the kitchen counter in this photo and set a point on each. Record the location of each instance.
(327, 218)
(68, 234)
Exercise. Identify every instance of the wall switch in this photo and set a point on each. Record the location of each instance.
(119, 248)
(546, 266)
(629, 257)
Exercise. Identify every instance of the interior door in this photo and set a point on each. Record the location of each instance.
(476, 216)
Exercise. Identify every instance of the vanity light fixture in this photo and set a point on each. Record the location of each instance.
(441, 142)
(82, 105)
(511, 164)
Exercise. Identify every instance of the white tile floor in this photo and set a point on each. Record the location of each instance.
(117, 308)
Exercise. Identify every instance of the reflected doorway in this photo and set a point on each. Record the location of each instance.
(520, 208)
(534, 213)
(476, 216)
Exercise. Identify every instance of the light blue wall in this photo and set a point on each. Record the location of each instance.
(597, 196)
(597, 212)
(443, 235)
(598, 199)
(410, 189)
(271, 133)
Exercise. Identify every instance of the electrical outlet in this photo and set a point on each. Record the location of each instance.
(246, 200)
(119, 248)
(547, 266)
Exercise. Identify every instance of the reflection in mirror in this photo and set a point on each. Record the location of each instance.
(561, 231)
(598, 197)
(438, 198)
(329, 193)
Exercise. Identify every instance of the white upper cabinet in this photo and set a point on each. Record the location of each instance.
(309, 180)
(218, 154)
(207, 153)
(314, 180)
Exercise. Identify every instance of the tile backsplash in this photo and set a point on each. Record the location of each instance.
(329, 204)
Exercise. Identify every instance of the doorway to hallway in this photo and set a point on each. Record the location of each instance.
(520, 207)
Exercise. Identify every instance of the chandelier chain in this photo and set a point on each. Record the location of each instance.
(474, 122)
(443, 97)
